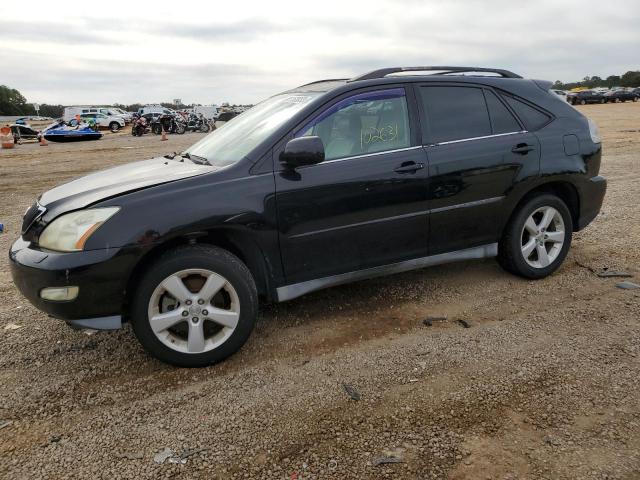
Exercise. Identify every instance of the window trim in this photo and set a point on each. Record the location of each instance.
(448, 142)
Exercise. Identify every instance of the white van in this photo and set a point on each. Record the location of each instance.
(157, 109)
(71, 112)
(208, 111)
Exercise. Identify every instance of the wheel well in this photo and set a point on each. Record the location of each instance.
(222, 240)
(564, 190)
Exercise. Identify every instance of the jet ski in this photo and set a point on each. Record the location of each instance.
(63, 132)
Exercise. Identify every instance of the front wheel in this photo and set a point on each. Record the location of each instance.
(537, 238)
(204, 128)
(195, 306)
(583, 102)
(114, 127)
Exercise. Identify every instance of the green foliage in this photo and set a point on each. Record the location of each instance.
(12, 102)
(629, 79)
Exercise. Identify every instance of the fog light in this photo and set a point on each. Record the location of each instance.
(59, 294)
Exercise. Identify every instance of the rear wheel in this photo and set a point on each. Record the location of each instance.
(195, 306)
(583, 102)
(204, 128)
(537, 238)
(114, 126)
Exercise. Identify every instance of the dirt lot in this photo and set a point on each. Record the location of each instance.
(544, 384)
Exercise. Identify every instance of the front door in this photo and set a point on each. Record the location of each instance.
(365, 205)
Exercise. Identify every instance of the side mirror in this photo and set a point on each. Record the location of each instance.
(302, 151)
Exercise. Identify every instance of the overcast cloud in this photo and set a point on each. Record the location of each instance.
(242, 52)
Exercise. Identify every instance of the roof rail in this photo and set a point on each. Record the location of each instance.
(325, 80)
(383, 72)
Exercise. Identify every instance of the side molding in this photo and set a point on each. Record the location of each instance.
(289, 292)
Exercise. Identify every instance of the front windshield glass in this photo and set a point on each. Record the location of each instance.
(233, 141)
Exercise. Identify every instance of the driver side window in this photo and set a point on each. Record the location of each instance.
(365, 123)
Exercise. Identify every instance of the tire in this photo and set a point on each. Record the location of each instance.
(156, 128)
(634, 99)
(180, 129)
(114, 127)
(602, 100)
(583, 102)
(516, 238)
(237, 300)
(204, 128)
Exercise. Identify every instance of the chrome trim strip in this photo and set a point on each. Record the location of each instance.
(359, 224)
(476, 203)
(476, 138)
(369, 155)
(289, 292)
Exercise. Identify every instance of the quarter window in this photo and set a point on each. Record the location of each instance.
(454, 113)
(501, 118)
(365, 123)
(531, 117)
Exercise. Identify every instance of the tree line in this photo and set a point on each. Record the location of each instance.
(629, 79)
(12, 102)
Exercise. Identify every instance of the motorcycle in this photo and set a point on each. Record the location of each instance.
(140, 126)
(168, 123)
(197, 123)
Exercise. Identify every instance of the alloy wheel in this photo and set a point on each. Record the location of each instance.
(543, 236)
(194, 311)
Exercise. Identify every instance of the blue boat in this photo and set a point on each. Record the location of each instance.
(61, 132)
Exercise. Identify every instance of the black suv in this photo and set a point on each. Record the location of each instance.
(586, 96)
(328, 183)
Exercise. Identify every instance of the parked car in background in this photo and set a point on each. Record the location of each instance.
(585, 96)
(71, 112)
(616, 96)
(324, 184)
(104, 121)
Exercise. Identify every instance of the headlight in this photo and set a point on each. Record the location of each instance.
(69, 232)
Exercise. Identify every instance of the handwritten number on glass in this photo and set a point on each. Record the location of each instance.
(388, 133)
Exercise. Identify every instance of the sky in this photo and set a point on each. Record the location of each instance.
(242, 52)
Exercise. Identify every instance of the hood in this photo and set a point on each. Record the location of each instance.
(115, 181)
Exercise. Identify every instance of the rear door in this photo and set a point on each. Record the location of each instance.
(366, 204)
(477, 150)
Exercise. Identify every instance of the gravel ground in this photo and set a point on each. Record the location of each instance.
(544, 384)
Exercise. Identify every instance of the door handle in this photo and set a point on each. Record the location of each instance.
(409, 167)
(522, 148)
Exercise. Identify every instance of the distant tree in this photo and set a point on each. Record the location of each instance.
(12, 102)
(612, 81)
(53, 111)
(630, 79)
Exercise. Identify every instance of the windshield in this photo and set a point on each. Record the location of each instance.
(234, 140)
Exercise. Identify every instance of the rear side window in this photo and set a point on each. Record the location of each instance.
(454, 113)
(531, 117)
(501, 118)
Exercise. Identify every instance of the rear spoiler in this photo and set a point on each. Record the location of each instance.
(543, 84)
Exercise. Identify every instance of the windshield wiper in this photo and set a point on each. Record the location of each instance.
(195, 158)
